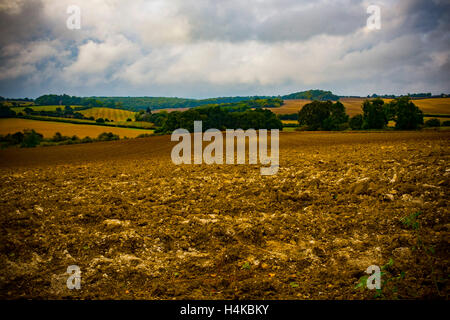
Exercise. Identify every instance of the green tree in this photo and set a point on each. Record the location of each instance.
(374, 116)
(68, 110)
(6, 112)
(324, 115)
(407, 115)
(356, 122)
(337, 117)
(313, 114)
(31, 139)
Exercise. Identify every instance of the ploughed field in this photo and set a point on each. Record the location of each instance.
(139, 226)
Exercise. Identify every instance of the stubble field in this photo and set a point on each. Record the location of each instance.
(353, 105)
(140, 227)
(49, 128)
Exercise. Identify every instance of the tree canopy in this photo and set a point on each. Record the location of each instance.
(221, 118)
(323, 115)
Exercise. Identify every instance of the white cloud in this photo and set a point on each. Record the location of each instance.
(99, 59)
(206, 47)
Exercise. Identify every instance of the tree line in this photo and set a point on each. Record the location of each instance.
(30, 138)
(221, 118)
(139, 103)
(326, 115)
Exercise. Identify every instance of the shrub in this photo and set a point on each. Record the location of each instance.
(11, 139)
(100, 120)
(107, 136)
(432, 123)
(87, 140)
(446, 123)
(59, 137)
(31, 139)
(144, 135)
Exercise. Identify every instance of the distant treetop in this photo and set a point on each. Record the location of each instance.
(320, 95)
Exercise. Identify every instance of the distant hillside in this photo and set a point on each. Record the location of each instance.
(156, 103)
(320, 95)
(135, 103)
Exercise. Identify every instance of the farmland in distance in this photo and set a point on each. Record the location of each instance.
(108, 113)
(49, 128)
(353, 105)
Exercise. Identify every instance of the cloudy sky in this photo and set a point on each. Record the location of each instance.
(209, 48)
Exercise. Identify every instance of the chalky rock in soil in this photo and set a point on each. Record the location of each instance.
(139, 226)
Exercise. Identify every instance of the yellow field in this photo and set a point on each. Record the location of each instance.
(41, 108)
(168, 110)
(108, 113)
(290, 106)
(10, 103)
(49, 128)
(434, 106)
(353, 105)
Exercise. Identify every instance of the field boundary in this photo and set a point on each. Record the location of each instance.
(88, 122)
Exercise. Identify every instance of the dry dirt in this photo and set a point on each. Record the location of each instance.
(140, 227)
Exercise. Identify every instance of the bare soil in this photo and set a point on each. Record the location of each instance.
(140, 227)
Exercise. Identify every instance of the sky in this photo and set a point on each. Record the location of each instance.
(211, 48)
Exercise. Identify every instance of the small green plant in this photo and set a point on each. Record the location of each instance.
(429, 250)
(294, 285)
(246, 266)
(386, 278)
(411, 220)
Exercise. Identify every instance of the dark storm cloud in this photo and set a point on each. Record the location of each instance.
(24, 22)
(273, 21)
(426, 16)
(208, 48)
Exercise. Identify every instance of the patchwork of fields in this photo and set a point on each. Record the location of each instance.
(435, 106)
(141, 227)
